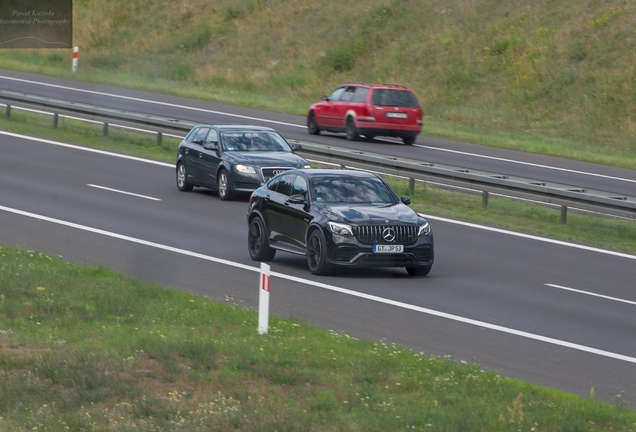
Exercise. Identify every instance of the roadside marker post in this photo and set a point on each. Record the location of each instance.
(75, 54)
(263, 299)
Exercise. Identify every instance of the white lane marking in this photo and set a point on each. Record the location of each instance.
(88, 149)
(123, 192)
(531, 237)
(303, 126)
(153, 102)
(527, 163)
(377, 299)
(591, 294)
(442, 219)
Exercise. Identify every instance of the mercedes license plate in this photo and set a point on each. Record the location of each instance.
(388, 248)
(396, 115)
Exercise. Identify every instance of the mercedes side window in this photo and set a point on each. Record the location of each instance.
(284, 186)
(273, 184)
(299, 187)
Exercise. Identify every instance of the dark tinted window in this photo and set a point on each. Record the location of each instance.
(361, 94)
(191, 134)
(344, 189)
(213, 136)
(200, 135)
(273, 183)
(299, 186)
(247, 141)
(284, 184)
(390, 97)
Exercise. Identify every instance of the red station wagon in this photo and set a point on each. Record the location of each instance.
(367, 109)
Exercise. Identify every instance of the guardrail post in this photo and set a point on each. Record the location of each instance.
(105, 130)
(8, 114)
(411, 186)
(484, 199)
(159, 135)
(564, 214)
(55, 118)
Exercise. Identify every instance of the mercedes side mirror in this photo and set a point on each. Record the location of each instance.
(296, 199)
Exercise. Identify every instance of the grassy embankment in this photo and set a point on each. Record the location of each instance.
(85, 349)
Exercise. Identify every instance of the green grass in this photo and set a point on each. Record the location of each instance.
(86, 349)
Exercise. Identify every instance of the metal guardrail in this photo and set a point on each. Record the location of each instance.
(160, 125)
(482, 181)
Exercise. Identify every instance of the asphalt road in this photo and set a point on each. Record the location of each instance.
(493, 297)
(579, 174)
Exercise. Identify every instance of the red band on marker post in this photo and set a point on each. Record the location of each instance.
(75, 55)
(265, 282)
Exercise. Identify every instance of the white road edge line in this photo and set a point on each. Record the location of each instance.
(123, 192)
(531, 237)
(88, 149)
(402, 305)
(591, 294)
(153, 102)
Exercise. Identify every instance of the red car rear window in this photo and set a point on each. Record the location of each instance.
(390, 97)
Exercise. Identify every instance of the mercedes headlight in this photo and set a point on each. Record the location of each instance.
(424, 229)
(340, 229)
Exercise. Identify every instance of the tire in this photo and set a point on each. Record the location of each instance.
(419, 271)
(182, 178)
(223, 186)
(408, 140)
(317, 254)
(312, 125)
(257, 243)
(351, 130)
